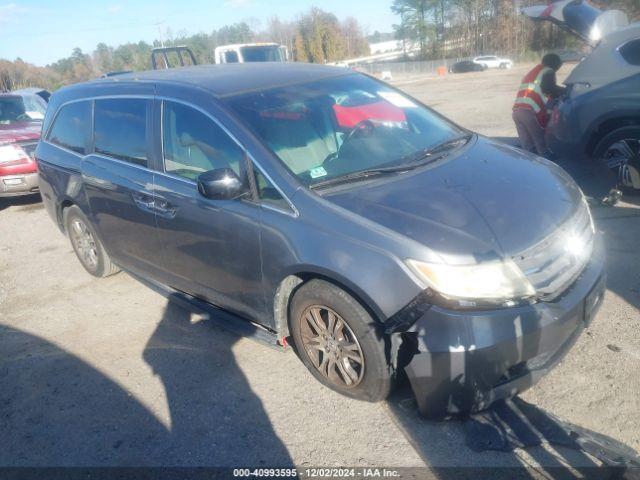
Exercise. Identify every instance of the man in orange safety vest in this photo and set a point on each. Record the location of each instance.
(530, 112)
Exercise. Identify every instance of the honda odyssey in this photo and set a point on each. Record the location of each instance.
(328, 210)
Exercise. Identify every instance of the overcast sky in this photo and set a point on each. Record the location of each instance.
(41, 32)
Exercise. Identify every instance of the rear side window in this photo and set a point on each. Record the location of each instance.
(71, 127)
(631, 52)
(120, 129)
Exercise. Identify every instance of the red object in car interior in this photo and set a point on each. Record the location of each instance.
(349, 117)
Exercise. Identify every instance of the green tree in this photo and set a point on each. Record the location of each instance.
(416, 21)
(321, 38)
(236, 33)
(103, 58)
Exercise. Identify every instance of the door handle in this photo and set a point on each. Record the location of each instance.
(143, 200)
(154, 204)
(164, 208)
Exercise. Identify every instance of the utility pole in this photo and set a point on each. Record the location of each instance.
(157, 24)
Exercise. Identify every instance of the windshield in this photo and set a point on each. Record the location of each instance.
(335, 127)
(262, 53)
(21, 108)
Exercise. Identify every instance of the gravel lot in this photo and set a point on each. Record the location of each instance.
(106, 372)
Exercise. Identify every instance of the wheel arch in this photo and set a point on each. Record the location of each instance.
(293, 280)
(605, 126)
(63, 205)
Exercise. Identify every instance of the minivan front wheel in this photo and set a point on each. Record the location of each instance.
(86, 244)
(339, 342)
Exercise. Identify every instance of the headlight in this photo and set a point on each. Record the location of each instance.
(492, 281)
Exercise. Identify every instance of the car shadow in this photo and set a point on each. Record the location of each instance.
(32, 201)
(57, 410)
(512, 439)
(208, 396)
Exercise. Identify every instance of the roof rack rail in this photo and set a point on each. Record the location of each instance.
(161, 52)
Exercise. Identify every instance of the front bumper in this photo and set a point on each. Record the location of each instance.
(18, 184)
(460, 362)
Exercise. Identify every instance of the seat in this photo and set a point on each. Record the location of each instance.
(296, 142)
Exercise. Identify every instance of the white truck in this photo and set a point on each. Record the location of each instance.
(251, 52)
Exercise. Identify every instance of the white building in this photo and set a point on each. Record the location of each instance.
(385, 47)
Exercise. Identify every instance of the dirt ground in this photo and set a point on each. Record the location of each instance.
(107, 372)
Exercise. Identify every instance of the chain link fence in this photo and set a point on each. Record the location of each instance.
(430, 67)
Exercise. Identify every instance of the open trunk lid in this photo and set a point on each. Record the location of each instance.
(580, 18)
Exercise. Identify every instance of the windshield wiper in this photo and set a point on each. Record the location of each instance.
(443, 147)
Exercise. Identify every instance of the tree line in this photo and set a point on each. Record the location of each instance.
(461, 28)
(315, 36)
(436, 28)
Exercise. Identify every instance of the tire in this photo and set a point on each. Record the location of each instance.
(617, 150)
(370, 376)
(86, 244)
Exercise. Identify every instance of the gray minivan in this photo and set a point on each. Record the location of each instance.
(329, 210)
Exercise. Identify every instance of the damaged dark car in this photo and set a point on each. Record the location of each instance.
(318, 207)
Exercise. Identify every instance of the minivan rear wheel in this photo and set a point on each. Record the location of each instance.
(617, 150)
(87, 245)
(339, 342)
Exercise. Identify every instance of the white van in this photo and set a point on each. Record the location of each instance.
(251, 52)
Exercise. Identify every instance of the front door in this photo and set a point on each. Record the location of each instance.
(211, 247)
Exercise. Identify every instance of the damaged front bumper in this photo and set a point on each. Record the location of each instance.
(462, 361)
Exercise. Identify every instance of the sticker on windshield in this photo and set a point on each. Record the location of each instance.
(394, 98)
(317, 172)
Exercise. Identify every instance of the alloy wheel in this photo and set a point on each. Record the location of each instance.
(332, 346)
(618, 156)
(84, 243)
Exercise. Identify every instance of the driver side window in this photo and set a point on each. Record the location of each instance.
(194, 144)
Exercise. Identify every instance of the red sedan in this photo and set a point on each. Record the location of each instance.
(21, 118)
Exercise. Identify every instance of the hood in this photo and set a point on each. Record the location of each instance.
(580, 18)
(20, 132)
(491, 200)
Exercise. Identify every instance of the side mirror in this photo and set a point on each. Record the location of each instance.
(221, 184)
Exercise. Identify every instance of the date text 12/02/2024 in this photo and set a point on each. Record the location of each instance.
(317, 472)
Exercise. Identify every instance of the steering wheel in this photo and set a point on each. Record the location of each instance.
(363, 127)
